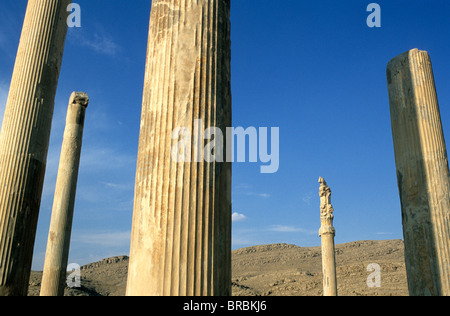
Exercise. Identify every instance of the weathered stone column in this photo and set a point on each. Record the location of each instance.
(25, 136)
(327, 233)
(181, 234)
(57, 255)
(422, 172)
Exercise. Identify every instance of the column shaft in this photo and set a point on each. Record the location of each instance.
(181, 235)
(57, 255)
(422, 172)
(25, 136)
(327, 233)
(329, 265)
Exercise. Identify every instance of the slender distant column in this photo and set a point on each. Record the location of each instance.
(327, 233)
(181, 234)
(422, 172)
(25, 136)
(57, 255)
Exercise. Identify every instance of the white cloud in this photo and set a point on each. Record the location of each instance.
(284, 229)
(247, 189)
(99, 41)
(306, 198)
(243, 186)
(104, 239)
(95, 159)
(261, 195)
(236, 217)
(117, 186)
(289, 229)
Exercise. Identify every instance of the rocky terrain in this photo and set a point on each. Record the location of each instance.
(273, 270)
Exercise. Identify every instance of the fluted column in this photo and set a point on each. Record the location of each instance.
(422, 172)
(25, 136)
(327, 233)
(181, 234)
(57, 255)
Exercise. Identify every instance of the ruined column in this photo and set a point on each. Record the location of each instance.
(181, 234)
(57, 255)
(422, 172)
(327, 233)
(25, 137)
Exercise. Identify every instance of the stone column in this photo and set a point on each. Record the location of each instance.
(181, 234)
(25, 136)
(57, 255)
(327, 233)
(422, 172)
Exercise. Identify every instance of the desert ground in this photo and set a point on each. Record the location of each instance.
(274, 270)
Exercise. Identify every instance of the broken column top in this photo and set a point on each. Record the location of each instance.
(407, 53)
(399, 61)
(80, 98)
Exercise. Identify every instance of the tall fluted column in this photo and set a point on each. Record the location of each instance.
(422, 172)
(57, 255)
(181, 234)
(25, 136)
(327, 233)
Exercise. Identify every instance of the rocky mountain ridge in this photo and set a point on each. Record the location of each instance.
(275, 270)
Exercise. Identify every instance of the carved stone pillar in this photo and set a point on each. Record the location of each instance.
(327, 233)
(422, 172)
(57, 255)
(25, 137)
(181, 235)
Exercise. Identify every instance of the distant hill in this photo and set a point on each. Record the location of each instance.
(279, 270)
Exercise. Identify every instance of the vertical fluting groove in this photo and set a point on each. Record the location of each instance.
(178, 238)
(200, 198)
(25, 136)
(193, 179)
(174, 165)
(178, 175)
(201, 108)
(168, 167)
(216, 178)
(189, 187)
(153, 139)
(207, 187)
(181, 88)
(211, 191)
(157, 172)
(161, 193)
(216, 181)
(160, 84)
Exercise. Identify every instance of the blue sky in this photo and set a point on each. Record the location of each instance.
(312, 68)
